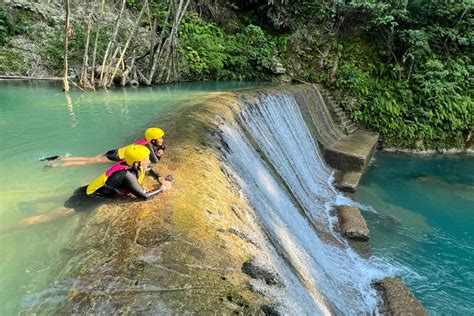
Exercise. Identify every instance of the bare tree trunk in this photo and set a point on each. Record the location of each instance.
(124, 50)
(111, 42)
(171, 57)
(66, 38)
(94, 54)
(155, 55)
(126, 72)
(334, 68)
(84, 82)
(162, 54)
(152, 41)
(108, 67)
(142, 77)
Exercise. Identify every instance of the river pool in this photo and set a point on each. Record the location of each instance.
(421, 218)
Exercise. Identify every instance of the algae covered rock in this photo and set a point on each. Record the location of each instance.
(257, 271)
(398, 299)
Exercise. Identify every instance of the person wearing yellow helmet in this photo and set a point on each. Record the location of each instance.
(153, 141)
(122, 179)
(125, 177)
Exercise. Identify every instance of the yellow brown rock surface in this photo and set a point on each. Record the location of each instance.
(182, 251)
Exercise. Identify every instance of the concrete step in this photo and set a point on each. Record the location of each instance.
(351, 125)
(352, 132)
(347, 122)
(332, 104)
(338, 110)
(353, 152)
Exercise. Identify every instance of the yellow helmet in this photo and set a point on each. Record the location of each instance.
(154, 133)
(135, 153)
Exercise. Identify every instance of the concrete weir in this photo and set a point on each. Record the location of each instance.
(199, 248)
(348, 154)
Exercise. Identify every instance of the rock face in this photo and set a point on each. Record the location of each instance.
(352, 224)
(27, 54)
(398, 299)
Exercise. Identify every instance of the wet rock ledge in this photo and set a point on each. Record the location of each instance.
(351, 156)
(181, 253)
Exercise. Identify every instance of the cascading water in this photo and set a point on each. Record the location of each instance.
(280, 169)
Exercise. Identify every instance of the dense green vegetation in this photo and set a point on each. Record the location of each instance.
(409, 68)
(403, 68)
(10, 26)
(53, 50)
(208, 53)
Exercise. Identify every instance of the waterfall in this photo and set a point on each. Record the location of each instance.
(282, 174)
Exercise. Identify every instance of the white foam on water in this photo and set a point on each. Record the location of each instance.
(281, 172)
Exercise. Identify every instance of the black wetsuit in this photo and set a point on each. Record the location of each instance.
(116, 184)
(114, 156)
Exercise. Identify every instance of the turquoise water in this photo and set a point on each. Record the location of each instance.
(424, 222)
(36, 120)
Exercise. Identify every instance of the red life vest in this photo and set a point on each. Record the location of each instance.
(121, 151)
(100, 181)
(142, 141)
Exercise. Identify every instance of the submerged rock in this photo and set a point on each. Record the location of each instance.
(398, 299)
(269, 310)
(352, 224)
(257, 271)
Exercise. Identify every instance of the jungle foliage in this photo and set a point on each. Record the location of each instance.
(410, 67)
(10, 25)
(208, 53)
(407, 64)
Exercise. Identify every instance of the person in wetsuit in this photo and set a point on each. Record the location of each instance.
(153, 141)
(123, 179)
